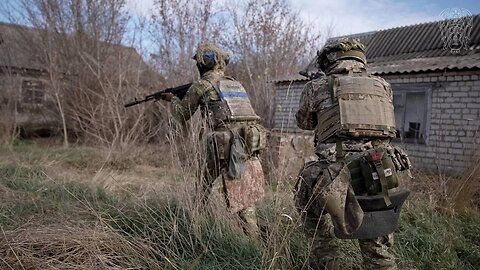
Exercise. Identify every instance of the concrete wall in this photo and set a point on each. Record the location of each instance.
(453, 116)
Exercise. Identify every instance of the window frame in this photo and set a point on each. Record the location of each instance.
(403, 89)
(42, 90)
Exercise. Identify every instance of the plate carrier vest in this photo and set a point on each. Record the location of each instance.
(234, 104)
(362, 107)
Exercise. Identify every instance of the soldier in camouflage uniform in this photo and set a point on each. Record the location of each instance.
(235, 137)
(320, 110)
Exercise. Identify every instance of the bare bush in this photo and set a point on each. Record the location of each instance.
(90, 75)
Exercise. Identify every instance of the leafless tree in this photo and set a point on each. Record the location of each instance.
(177, 28)
(90, 74)
(269, 40)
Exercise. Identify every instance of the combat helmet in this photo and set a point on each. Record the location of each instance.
(210, 57)
(340, 49)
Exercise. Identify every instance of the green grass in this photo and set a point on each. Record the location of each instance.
(178, 241)
(172, 237)
(428, 239)
(21, 178)
(30, 152)
(36, 197)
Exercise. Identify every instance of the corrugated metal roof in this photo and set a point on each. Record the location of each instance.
(414, 48)
(291, 78)
(414, 41)
(426, 64)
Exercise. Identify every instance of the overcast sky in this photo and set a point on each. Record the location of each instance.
(345, 17)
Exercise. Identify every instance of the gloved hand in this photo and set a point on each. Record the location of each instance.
(166, 96)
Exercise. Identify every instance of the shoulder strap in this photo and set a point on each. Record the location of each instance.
(331, 85)
(215, 86)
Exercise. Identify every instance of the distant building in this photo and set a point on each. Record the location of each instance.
(436, 96)
(25, 79)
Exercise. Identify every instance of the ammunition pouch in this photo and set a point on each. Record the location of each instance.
(236, 145)
(255, 138)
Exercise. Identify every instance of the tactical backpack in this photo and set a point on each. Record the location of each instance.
(362, 107)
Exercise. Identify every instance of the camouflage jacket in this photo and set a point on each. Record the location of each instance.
(197, 95)
(316, 98)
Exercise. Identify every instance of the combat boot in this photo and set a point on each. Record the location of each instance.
(249, 218)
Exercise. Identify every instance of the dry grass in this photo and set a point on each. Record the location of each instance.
(141, 216)
(450, 192)
(68, 246)
(464, 191)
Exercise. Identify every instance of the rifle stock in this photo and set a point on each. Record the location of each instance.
(179, 91)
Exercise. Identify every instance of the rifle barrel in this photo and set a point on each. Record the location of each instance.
(133, 103)
(178, 91)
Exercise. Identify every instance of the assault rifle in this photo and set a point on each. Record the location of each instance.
(178, 91)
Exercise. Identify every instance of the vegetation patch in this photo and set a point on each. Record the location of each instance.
(53, 224)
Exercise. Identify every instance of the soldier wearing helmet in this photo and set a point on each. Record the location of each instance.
(234, 138)
(352, 189)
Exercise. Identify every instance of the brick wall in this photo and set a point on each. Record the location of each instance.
(454, 120)
(287, 98)
(454, 117)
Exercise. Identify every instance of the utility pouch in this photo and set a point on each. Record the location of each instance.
(237, 157)
(379, 172)
(255, 138)
(218, 145)
(374, 174)
(354, 163)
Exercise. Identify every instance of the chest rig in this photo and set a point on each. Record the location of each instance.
(362, 107)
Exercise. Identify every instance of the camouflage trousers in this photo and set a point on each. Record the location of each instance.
(248, 215)
(318, 228)
(324, 251)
